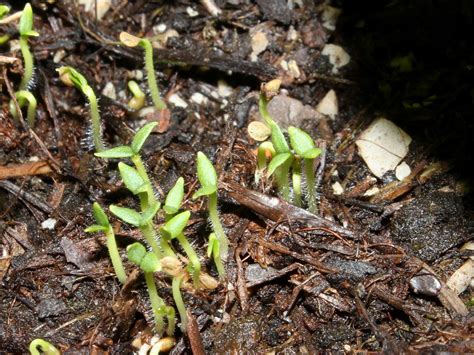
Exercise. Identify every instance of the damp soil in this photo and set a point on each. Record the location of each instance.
(367, 273)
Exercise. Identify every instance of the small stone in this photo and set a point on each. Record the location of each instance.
(338, 57)
(329, 105)
(160, 28)
(425, 284)
(191, 12)
(402, 171)
(50, 223)
(224, 89)
(294, 69)
(337, 188)
(59, 55)
(199, 98)
(259, 43)
(177, 101)
(329, 16)
(109, 91)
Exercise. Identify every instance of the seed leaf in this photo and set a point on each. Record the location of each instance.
(213, 246)
(136, 252)
(302, 143)
(95, 228)
(127, 215)
(4, 10)
(132, 179)
(99, 215)
(150, 263)
(205, 191)
(150, 212)
(117, 152)
(175, 225)
(71, 76)
(277, 161)
(205, 171)
(141, 136)
(26, 21)
(175, 197)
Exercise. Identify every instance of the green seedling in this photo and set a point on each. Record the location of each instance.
(174, 199)
(150, 264)
(178, 300)
(132, 41)
(4, 10)
(265, 149)
(133, 152)
(138, 99)
(304, 146)
(25, 28)
(208, 178)
(72, 77)
(142, 221)
(213, 250)
(174, 229)
(25, 96)
(103, 225)
(44, 348)
(281, 163)
(296, 181)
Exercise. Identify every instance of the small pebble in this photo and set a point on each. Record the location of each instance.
(50, 223)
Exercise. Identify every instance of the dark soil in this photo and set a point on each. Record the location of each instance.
(366, 274)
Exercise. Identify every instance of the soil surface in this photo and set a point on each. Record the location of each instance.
(368, 272)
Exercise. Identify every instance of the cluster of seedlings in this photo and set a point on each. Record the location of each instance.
(277, 157)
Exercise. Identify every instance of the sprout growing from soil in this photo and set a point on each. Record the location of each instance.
(25, 28)
(265, 150)
(163, 345)
(72, 77)
(304, 146)
(4, 9)
(138, 99)
(133, 152)
(281, 163)
(213, 250)
(174, 229)
(103, 225)
(25, 96)
(150, 263)
(208, 178)
(44, 346)
(133, 41)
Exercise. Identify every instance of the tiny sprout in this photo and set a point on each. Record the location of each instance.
(103, 225)
(150, 263)
(138, 99)
(178, 300)
(264, 151)
(174, 229)
(174, 198)
(281, 163)
(133, 152)
(4, 9)
(44, 346)
(208, 178)
(24, 96)
(163, 345)
(133, 41)
(25, 28)
(213, 250)
(304, 146)
(72, 77)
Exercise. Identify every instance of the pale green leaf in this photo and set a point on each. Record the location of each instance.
(141, 136)
(205, 171)
(26, 20)
(175, 197)
(205, 191)
(278, 161)
(175, 225)
(150, 263)
(99, 215)
(95, 228)
(135, 253)
(132, 179)
(148, 215)
(302, 143)
(117, 152)
(127, 215)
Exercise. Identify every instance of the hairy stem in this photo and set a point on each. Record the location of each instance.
(310, 183)
(27, 63)
(151, 199)
(95, 119)
(178, 300)
(156, 301)
(296, 180)
(193, 258)
(150, 70)
(149, 234)
(115, 256)
(281, 174)
(217, 226)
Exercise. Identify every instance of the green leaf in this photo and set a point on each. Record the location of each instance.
(150, 263)
(302, 143)
(117, 152)
(135, 253)
(127, 215)
(150, 212)
(26, 20)
(278, 138)
(213, 246)
(99, 215)
(204, 191)
(175, 197)
(75, 78)
(205, 171)
(31, 33)
(95, 228)
(141, 136)
(278, 161)
(175, 225)
(132, 179)
(4, 10)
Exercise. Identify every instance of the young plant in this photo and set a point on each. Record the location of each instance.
(4, 10)
(133, 152)
(138, 99)
(44, 346)
(72, 77)
(213, 250)
(150, 263)
(103, 225)
(133, 41)
(174, 229)
(142, 221)
(281, 163)
(25, 96)
(304, 146)
(264, 149)
(25, 28)
(208, 178)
